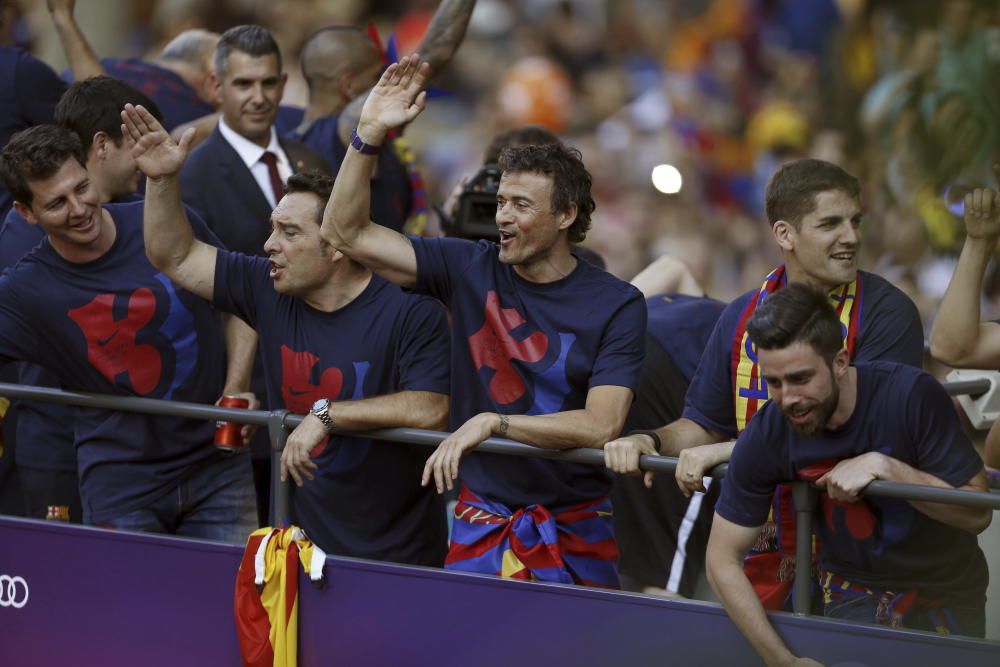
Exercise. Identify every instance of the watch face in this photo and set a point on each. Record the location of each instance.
(320, 404)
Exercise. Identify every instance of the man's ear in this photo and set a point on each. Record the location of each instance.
(567, 218)
(25, 212)
(282, 80)
(212, 89)
(784, 234)
(99, 145)
(841, 362)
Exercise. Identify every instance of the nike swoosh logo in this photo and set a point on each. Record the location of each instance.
(107, 340)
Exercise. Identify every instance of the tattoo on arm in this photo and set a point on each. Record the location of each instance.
(446, 31)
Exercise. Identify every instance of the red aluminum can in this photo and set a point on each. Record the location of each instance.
(227, 434)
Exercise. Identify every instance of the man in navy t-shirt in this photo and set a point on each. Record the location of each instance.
(841, 426)
(546, 348)
(46, 458)
(87, 305)
(815, 215)
(338, 343)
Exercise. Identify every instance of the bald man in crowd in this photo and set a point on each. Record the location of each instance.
(340, 64)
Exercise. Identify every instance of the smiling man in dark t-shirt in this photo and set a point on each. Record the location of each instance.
(882, 560)
(336, 342)
(88, 305)
(546, 349)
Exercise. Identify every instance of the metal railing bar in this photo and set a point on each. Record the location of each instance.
(973, 388)
(662, 464)
(152, 406)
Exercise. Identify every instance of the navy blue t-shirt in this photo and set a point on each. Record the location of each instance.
(44, 436)
(879, 542)
(29, 92)
(678, 322)
(117, 326)
(890, 330)
(391, 192)
(526, 348)
(366, 499)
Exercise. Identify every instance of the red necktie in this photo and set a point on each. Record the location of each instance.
(277, 187)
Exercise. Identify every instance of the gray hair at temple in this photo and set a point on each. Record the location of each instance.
(252, 40)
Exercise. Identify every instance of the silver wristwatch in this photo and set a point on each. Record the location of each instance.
(321, 409)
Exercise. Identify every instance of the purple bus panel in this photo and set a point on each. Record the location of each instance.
(86, 596)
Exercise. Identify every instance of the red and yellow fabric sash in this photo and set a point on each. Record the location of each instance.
(265, 602)
(771, 565)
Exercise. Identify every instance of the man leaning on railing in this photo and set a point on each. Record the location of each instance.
(881, 560)
(546, 349)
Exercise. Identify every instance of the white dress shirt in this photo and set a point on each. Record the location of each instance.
(251, 153)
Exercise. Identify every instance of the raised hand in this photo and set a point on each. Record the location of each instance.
(982, 210)
(396, 99)
(155, 153)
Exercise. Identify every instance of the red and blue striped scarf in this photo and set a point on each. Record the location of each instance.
(571, 545)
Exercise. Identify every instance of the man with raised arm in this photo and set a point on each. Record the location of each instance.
(546, 348)
(815, 214)
(179, 80)
(958, 338)
(337, 343)
(883, 560)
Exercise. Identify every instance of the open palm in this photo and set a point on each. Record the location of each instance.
(154, 151)
(398, 97)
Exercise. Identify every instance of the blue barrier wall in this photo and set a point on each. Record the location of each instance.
(109, 598)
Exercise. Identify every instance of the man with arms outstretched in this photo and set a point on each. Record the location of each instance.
(336, 342)
(546, 348)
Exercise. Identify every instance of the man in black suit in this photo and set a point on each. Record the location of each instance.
(236, 176)
(234, 179)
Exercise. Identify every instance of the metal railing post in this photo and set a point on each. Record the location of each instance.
(278, 434)
(804, 497)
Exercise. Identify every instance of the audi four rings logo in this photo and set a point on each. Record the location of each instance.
(13, 591)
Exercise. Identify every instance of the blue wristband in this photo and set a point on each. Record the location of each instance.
(360, 146)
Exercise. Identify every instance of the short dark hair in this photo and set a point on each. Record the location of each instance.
(36, 154)
(797, 313)
(535, 135)
(252, 40)
(317, 183)
(95, 105)
(791, 193)
(570, 179)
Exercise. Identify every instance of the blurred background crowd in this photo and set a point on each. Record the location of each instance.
(682, 109)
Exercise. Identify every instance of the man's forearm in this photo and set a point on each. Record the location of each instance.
(241, 347)
(970, 519)
(744, 608)
(683, 434)
(561, 430)
(83, 62)
(955, 332)
(405, 409)
(446, 32)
